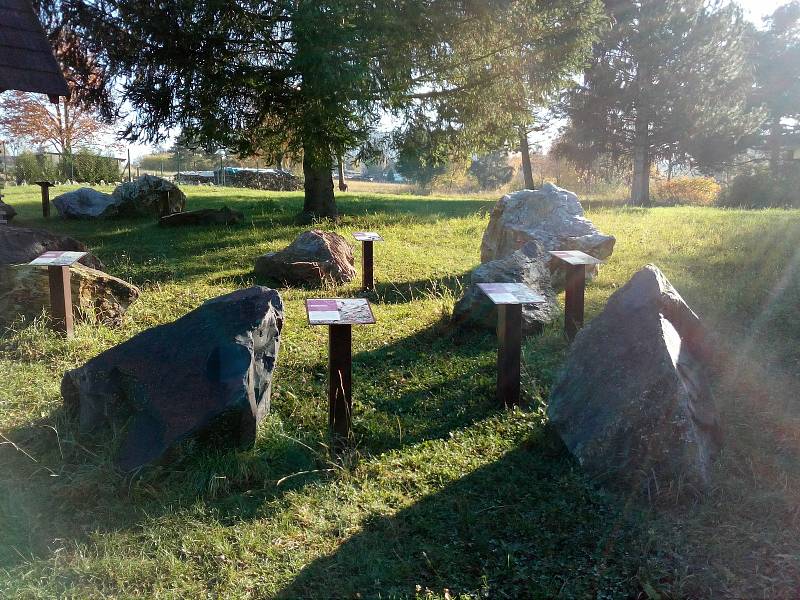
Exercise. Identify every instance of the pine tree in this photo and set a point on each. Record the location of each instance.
(314, 78)
(669, 78)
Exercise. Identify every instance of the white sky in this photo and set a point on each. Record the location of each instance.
(755, 10)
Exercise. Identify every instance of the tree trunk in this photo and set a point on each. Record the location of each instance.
(342, 182)
(525, 151)
(640, 188)
(775, 146)
(319, 200)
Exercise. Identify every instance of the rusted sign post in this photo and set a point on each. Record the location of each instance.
(58, 264)
(367, 263)
(45, 187)
(509, 298)
(340, 315)
(575, 287)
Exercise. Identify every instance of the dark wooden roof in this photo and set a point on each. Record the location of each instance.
(26, 59)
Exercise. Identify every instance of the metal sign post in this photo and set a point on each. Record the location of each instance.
(367, 257)
(340, 315)
(45, 187)
(575, 287)
(58, 264)
(509, 298)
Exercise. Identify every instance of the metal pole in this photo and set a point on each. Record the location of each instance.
(340, 390)
(60, 299)
(367, 265)
(575, 289)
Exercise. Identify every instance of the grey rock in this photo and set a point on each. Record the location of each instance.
(7, 212)
(96, 296)
(206, 376)
(19, 245)
(148, 195)
(206, 216)
(633, 403)
(527, 265)
(313, 258)
(550, 215)
(85, 203)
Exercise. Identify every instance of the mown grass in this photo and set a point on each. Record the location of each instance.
(445, 495)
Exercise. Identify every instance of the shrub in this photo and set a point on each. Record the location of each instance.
(697, 191)
(93, 168)
(32, 167)
(763, 189)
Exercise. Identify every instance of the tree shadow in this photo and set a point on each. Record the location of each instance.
(525, 526)
(57, 489)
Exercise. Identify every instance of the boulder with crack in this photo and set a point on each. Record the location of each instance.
(148, 195)
(633, 403)
(550, 215)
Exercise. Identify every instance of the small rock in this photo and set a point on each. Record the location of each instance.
(633, 403)
(206, 376)
(206, 216)
(314, 257)
(527, 265)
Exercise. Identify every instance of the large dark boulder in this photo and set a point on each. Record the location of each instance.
(206, 376)
(550, 215)
(633, 403)
(313, 258)
(19, 245)
(148, 195)
(86, 203)
(205, 216)
(96, 296)
(527, 265)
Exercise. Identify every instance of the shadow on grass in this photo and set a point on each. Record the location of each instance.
(141, 251)
(524, 526)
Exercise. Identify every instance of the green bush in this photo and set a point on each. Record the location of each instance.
(697, 191)
(93, 168)
(32, 167)
(763, 189)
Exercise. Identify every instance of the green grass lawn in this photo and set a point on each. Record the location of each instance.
(446, 495)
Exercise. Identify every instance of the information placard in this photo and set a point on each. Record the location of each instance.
(576, 257)
(511, 293)
(57, 258)
(367, 236)
(339, 311)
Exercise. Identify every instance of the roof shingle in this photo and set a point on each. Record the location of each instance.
(26, 59)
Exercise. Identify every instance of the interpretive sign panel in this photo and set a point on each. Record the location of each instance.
(57, 258)
(367, 236)
(510, 293)
(576, 257)
(347, 311)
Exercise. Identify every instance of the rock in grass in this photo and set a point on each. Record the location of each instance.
(206, 376)
(85, 203)
(7, 212)
(206, 216)
(148, 195)
(633, 403)
(313, 258)
(527, 265)
(19, 245)
(550, 215)
(96, 296)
